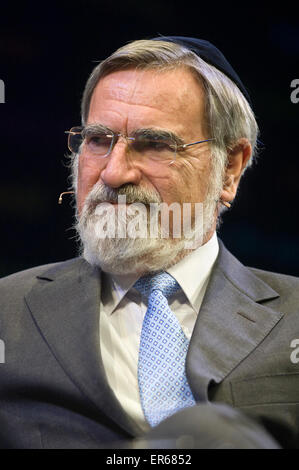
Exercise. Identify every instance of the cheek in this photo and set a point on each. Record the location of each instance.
(88, 175)
(171, 189)
(191, 181)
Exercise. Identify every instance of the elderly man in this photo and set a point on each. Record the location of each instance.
(156, 323)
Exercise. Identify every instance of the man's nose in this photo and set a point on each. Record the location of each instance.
(120, 168)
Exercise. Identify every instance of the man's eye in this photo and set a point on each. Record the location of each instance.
(158, 145)
(100, 143)
(97, 139)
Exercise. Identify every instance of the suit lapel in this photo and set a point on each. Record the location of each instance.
(230, 324)
(65, 306)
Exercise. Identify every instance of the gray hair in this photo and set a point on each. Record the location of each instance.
(228, 115)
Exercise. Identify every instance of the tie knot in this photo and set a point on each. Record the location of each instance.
(162, 281)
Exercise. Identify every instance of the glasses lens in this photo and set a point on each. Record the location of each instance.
(155, 149)
(97, 142)
(75, 139)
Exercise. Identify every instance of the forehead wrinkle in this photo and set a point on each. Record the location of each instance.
(130, 129)
(152, 92)
(120, 91)
(131, 90)
(136, 104)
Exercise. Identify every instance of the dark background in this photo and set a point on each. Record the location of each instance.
(47, 51)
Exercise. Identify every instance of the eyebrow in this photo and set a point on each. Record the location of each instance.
(93, 128)
(149, 132)
(158, 134)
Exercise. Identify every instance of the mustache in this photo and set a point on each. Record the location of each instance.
(103, 193)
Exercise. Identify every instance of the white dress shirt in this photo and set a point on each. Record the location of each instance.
(122, 313)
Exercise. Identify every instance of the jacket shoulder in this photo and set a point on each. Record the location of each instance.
(287, 287)
(279, 282)
(21, 282)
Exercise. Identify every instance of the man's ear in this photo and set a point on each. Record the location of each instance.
(237, 160)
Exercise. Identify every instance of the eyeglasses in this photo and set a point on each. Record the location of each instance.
(148, 143)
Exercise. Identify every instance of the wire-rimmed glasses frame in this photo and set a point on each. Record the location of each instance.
(76, 137)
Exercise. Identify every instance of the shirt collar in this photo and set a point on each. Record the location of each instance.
(192, 273)
(114, 289)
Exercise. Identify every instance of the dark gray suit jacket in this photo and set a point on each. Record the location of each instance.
(53, 390)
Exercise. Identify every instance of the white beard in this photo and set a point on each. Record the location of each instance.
(134, 255)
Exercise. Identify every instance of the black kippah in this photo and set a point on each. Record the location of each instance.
(209, 53)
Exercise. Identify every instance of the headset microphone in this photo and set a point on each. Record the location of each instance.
(66, 192)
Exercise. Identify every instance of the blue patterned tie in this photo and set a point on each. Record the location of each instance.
(163, 384)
